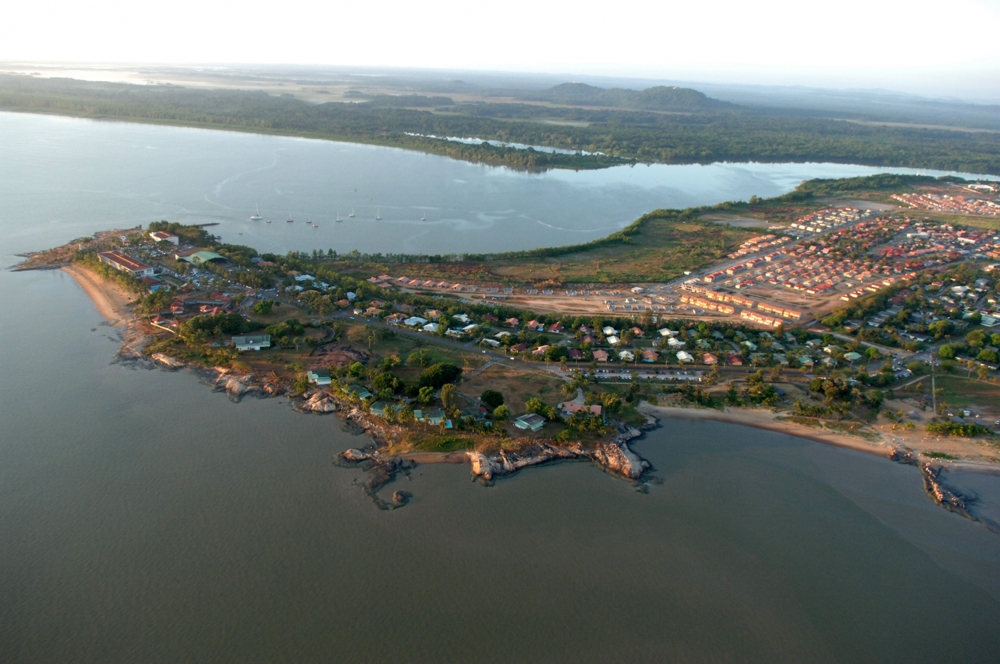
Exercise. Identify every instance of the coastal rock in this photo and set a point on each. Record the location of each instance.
(355, 455)
(317, 403)
(619, 459)
(942, 495)
(482, 466)
(234, 385)
(400, 498)
(167, 362)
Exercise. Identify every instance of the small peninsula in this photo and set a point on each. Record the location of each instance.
(469, 360)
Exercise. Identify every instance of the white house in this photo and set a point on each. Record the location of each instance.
(160, 236)
(252, 342)
(684, 356)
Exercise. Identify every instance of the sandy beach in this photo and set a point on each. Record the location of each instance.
(765, 419)
(112, 301)
(917, 440)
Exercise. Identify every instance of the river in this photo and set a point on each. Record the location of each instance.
(143, 518)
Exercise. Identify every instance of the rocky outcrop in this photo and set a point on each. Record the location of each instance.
(234, 385)
(320, 403)
(942, 495)
(902, 455)
(167, 362)
(614, 456)
(618, 459)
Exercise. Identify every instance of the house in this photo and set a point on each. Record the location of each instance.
(493, 343)
(431, 327)
(125, 264)
(462, 318)
(318, 376)
(626, 356)
(710, 359)
(530, 422)
(541, 350)
(575, 354)
(609, 331)
(502, 334)
(674, 342)
(556, 328)
(684, 357)
(252, 342)
(613, 340)
(518, 348)
(432, 416)
(536, 326)
(601, 356)
(734, 360)
(160, 236)
(415, 321)
(512, 322)
(568, 408)
(650, 355)
(380, 408)
(852, 357)
(359, 391)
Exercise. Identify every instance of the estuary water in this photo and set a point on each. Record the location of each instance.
(82, 175)
(145, 519)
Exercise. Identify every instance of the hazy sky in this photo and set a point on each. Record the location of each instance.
(924, 46)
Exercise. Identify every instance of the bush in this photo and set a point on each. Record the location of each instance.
(492, 398)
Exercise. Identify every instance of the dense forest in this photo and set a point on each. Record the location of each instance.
(714, 133)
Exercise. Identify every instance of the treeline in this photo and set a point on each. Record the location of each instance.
(620, 135)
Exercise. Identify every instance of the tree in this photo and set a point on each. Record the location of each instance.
(426, 395)
(871, 353)
(390, 362)
(501, 413)
(946, 352)
(263, 307)
(438, 374)
(418, 358)
(491, 398)
(612, 402)
(448, 395)
(982, 372)
(535, 405)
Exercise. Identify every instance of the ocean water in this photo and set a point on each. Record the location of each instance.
(146, 519)
(76, 176)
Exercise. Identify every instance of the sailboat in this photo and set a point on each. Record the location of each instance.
(311, 223)
(289, 220)
(338, 216)
(378, 216)
(423, 217)
(351, 215)
(256, 216)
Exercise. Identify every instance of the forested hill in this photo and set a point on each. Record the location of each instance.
(600, 137)
(659, 98)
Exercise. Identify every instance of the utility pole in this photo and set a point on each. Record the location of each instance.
(933, 388)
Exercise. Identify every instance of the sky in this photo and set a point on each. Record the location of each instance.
(928, 47)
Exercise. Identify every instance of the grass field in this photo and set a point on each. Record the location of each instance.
(962, 392)
(516, 386)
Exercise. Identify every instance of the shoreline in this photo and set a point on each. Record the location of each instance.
(111, 302)
(762, 419)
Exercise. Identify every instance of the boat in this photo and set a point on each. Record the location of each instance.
(268, 221)
(378, 216)
(423, 217)
(351, 215)
(256, 216)
(289, 220)
(338, 216)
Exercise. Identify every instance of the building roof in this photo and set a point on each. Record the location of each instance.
(200, 257)
(125, 261)
(252, 339)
